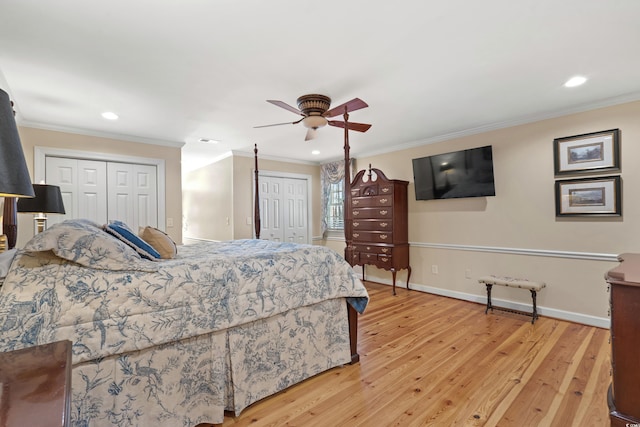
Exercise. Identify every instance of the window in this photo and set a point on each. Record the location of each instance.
(335, 206)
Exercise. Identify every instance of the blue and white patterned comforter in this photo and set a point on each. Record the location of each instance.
(76, 282)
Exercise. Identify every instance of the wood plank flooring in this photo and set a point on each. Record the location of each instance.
(427, 360)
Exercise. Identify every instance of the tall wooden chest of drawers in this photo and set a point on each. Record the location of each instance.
(376, 223)
(624, 393)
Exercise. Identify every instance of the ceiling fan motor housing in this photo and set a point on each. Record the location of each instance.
(313, 105)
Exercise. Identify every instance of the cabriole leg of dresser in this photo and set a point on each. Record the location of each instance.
(408, 275)
(393, 274)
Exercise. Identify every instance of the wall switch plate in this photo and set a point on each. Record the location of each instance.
(169, 222)
(434, 269)
(467, 273)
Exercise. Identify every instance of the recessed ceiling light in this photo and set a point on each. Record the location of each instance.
(109, 115)
(315, 152)
(208, 141)
(575, 81)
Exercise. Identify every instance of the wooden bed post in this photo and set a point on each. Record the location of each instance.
(348, 250)
(347, 191)
(256, 206)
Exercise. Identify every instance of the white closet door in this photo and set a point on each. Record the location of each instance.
(284, 213)
(83, 185)
(295, 210)
(132, 194)
(271, 220)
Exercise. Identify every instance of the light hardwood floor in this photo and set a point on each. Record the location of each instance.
(427, 360)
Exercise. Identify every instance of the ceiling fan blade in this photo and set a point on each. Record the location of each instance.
(279, 124)
(285, 106)
(354, 104)
(360, 127)
(311, 133)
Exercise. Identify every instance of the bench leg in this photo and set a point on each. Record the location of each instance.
(534, 315)
(489, 305)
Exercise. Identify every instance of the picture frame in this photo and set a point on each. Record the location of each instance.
(598, 196)
(587, 153)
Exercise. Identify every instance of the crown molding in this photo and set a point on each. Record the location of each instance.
(86, 132)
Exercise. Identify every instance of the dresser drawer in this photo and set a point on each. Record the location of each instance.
(372, 225)
(373, 201)
(374, 249)
(373, 236)
(372, 213)
(382, 261)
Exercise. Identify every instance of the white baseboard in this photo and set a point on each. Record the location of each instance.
(599, 322)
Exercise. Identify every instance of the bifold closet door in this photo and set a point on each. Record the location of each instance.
(284, 215)
(295, 210)
(132, 194)
(83, 184)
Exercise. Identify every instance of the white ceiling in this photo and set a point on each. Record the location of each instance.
(177, 71)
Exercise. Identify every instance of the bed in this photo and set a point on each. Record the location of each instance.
(180, 341)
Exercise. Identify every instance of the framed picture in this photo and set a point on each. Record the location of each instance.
(587, 153)
(600, 196)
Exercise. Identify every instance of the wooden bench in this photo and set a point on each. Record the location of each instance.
(511, 282)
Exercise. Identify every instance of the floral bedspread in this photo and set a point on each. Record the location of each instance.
(75, 282)
(177, 342)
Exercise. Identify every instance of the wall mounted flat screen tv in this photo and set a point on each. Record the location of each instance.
(466, 173)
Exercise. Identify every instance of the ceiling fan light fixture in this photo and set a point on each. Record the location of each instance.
(314, 122)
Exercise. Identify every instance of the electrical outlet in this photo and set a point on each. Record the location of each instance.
(434, 269)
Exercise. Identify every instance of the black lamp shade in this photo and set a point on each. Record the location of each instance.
(48, 200)
(14, 175)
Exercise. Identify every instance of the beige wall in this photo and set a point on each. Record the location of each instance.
(31, 138)
(521, 218)
(207, 195)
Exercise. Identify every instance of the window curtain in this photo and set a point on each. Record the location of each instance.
(330, 173)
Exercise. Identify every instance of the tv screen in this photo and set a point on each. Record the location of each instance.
(466, 173)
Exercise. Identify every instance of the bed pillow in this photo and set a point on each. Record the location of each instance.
(121, 231)
(86, 243)
(160, 241)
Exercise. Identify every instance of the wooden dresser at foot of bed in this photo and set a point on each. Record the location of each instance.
(36, 386)
(376, 223)
(624, 393)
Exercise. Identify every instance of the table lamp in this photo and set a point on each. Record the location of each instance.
(48, 200)
(14, 175)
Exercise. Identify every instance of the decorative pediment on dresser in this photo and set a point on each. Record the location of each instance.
(376, 223)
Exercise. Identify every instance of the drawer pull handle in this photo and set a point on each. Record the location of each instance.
(384, 200)
(383, 212)
(356, 235)
(385, 250)
(385, 190)
(368, 255)
(383, 236)
(368, 248)
(356, 224)
(356, 213)
(384, 224)
(384, 259)
(355, 202)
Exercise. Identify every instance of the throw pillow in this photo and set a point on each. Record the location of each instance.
(160, 241)
(121, 231)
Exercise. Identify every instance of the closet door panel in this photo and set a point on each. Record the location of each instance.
(296, 215)
(83, 186)
(145, 195)
(120, 193)
(92, 190)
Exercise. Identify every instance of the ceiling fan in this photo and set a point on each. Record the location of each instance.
(314, 110)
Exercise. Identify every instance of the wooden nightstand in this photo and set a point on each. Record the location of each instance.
(35, 386)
